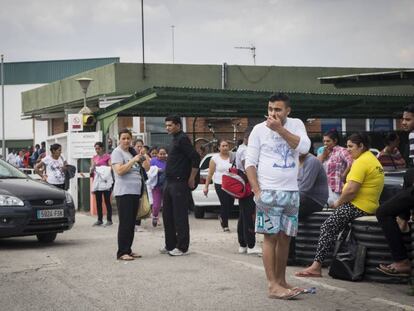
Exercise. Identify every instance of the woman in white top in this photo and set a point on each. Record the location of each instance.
(219, 164)
(54, 165)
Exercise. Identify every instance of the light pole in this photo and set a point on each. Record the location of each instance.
(143, 40)
(84, 84)
(3, 146)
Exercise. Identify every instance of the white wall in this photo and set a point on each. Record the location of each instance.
(15, 127)
(41, 131)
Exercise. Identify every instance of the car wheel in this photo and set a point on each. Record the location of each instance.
(46, 237)
(199, 212)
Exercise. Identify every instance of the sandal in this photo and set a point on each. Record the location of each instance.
(135, 255)
(391, 271)
(287, 296)
(126, 257)
(299, 289)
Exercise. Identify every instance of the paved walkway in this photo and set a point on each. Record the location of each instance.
(79, 272)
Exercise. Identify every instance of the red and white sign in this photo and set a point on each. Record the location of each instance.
(75, 123)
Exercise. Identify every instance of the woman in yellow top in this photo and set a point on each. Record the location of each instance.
(360, 197)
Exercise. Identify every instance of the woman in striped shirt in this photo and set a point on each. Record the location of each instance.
(390, 157)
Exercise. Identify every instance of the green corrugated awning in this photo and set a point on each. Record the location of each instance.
(389, 78)
(17, 144)
(200, 102)
(36, 72)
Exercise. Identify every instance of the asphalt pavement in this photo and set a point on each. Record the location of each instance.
(79, 271)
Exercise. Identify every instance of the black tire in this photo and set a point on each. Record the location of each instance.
(308, 234)
(306, 246)
(46, 237)
(385, 279)
(199, 212)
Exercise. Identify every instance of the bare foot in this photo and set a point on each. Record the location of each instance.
(401, 268)
(309, 273)
(277, 290)
(291, 287)
(403, 225)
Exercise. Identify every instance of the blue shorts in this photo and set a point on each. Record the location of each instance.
(277, 210)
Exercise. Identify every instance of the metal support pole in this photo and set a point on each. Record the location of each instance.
(3, 146)
(143, 41)
(194, 134)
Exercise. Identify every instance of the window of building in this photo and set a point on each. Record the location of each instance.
(157, 135)
(155, 124)
(381, 125)
(330, 124)
(356, 125)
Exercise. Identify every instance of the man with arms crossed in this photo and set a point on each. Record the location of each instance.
(272, 167)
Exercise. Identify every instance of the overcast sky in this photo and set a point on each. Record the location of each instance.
(369, 33)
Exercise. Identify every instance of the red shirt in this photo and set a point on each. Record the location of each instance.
(26, 158)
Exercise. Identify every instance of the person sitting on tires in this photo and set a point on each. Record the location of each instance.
(313, 186)
(360, 197)
(399, 204)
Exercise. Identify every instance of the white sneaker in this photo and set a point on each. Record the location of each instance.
(176, 252)
(139, 229)
(242, 250)
(254, 251)
(164, 250)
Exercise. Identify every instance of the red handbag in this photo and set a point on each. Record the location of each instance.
(235, 183)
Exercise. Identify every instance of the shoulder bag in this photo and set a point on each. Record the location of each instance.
(348, 258)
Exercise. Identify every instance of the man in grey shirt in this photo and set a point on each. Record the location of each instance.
(313, 186)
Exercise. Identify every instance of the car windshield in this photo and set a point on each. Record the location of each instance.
(9, 171)
(204, 165)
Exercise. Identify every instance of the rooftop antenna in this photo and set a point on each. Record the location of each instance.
(251, 48)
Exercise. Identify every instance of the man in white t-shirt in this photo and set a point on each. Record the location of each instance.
(272, 166)
(12, 158)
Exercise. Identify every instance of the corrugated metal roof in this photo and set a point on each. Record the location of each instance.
(204, 102)
(400, 77)
(37, 72)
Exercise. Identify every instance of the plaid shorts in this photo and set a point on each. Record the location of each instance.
(277, 210)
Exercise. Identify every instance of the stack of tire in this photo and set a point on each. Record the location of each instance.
(412, 262)
(368, 232)
(308, 236)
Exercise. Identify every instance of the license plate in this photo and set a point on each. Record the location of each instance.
(50, 213)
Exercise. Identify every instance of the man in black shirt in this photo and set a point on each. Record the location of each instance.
(400, 204)
(182, 168)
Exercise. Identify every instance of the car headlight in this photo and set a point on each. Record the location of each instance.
(8, 200)
(69, 198)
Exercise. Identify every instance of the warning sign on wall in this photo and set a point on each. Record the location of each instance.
(75, 123)
(83, 144)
